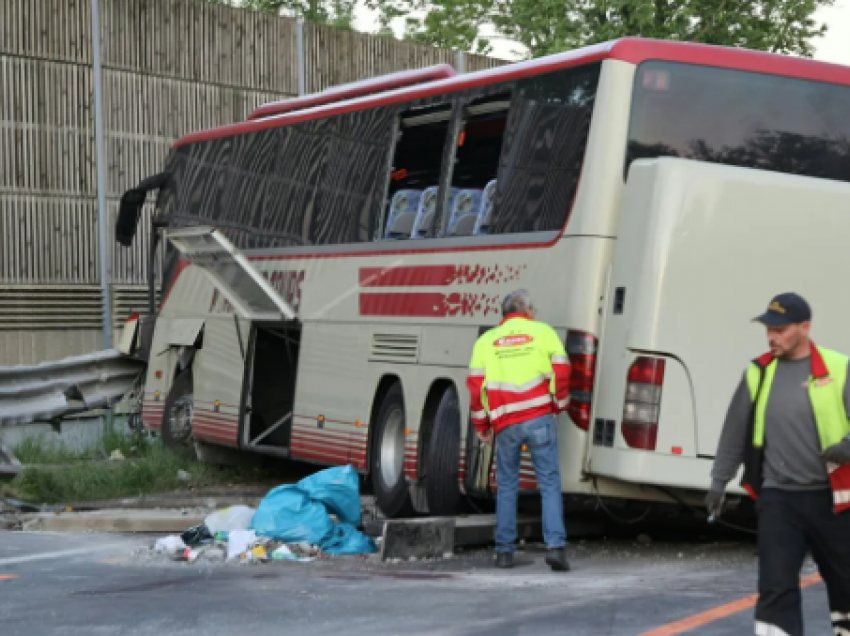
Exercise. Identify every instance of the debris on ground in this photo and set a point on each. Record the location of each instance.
(293, 522)
(230, 518)
(117, 455)
(169, 545)
(182, 475)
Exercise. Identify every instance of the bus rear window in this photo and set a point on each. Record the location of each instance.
(740, 118)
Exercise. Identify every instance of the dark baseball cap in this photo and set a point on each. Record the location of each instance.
(785, 309)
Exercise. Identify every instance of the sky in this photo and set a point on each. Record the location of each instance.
(835, 47)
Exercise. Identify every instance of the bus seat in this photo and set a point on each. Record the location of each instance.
(427, 209)
(485, 211)
(403, 209)
(465, 211)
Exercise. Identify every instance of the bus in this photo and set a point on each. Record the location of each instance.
(329, 263)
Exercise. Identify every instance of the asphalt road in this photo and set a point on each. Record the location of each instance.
(90, 584)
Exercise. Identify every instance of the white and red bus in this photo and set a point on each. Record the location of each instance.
(332, 260)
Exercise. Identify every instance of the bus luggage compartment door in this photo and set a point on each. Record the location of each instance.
(233, 275)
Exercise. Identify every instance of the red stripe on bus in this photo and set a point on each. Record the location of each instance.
(218, 415)
(320, 436)
(325, 456)
(335, 448)
(413, 276)
(409, 305)
(369, 86)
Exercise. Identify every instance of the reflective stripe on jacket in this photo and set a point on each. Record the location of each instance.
(826, 392)
(519, 371)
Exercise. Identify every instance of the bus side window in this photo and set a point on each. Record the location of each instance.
(543, 150)
(476, 164)
(415, 173)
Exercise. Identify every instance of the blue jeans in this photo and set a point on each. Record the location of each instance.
(541, 436)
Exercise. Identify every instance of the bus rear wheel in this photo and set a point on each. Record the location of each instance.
(387, 457)
(441, 485)
(177, 416)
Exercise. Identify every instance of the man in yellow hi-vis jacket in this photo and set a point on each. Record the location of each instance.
(522, 371)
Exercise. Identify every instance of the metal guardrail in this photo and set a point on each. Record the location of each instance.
(51, 390)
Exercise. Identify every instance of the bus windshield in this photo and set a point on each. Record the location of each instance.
(740, 118)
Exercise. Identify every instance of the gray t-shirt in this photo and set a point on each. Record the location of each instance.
(792, 447)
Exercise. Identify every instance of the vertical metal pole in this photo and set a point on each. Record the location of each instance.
(461, 62)
(302, 67)
(100, 164)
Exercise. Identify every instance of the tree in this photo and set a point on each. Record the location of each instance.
(550, 26)
(337, 13)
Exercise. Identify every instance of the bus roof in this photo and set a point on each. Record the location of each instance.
(632, 50)
(369, 86)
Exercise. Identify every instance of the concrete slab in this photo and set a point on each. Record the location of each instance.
(159, 521)
(429, 538)
(469, 530)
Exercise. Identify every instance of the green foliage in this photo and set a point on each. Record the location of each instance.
(550, 26)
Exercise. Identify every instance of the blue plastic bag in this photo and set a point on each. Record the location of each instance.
(339, 489)
(288, 514)
(346, 539)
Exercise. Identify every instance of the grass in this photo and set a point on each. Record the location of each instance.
(149, 468)
(42, 450)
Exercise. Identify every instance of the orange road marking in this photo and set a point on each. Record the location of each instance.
(715, 614)
(8, 577)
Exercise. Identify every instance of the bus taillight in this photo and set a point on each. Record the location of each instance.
(581, 349)
(643, 403)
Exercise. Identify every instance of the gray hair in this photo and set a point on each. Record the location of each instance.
(517, 302)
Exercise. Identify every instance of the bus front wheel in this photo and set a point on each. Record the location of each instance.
(387, 457)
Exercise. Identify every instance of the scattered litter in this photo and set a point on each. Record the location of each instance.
(117, 456)
(238, 542)
(284, 553)
(170, 545)
(197, 535)
(257, 553)
(228, 519)
(182, 475)
(292, 523)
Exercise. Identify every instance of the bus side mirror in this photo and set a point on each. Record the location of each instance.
(131, 206)
(128, 216)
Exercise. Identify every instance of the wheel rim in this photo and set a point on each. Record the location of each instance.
(180, 420)
(392, 449)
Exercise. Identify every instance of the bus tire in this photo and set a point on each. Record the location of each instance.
(389, 445)
(176, 428)
(441, 485)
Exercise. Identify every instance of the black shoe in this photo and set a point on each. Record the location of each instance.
(504, 560)
(556, 558)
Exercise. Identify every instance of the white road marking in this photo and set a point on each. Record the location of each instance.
(44, 556)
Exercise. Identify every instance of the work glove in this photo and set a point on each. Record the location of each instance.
(838, 453)
(714, 502)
